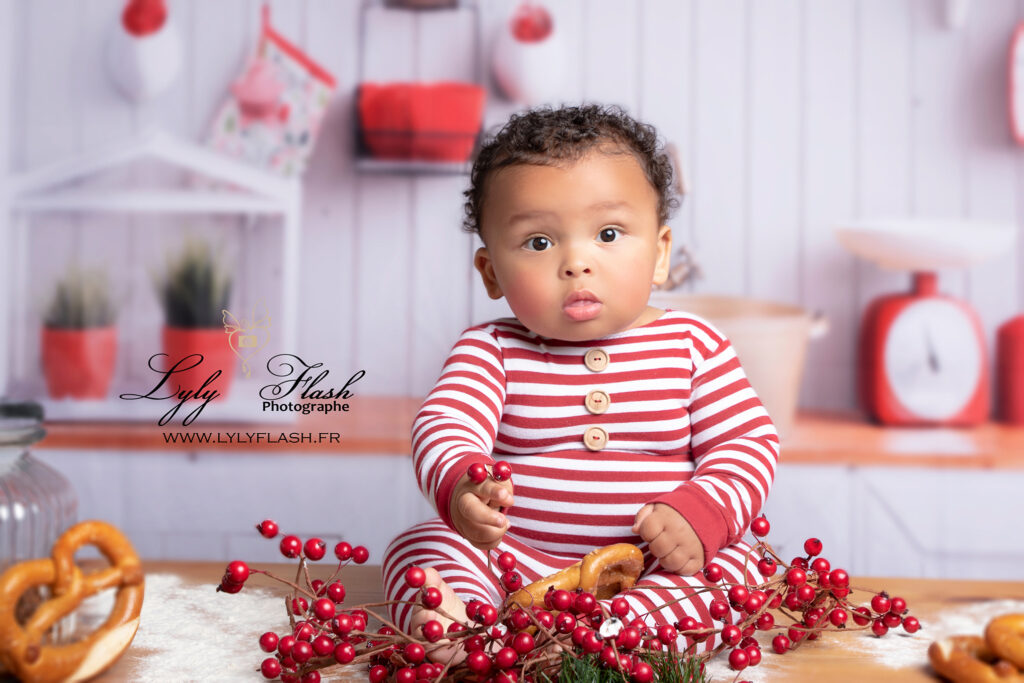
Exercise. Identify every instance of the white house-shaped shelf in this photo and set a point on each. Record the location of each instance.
(225, 187)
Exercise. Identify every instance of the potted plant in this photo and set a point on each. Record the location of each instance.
(79, 340)
(194, 291)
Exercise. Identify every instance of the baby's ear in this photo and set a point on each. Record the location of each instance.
(482, 261)
(664, 260)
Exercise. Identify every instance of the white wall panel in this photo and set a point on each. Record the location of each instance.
(789, 116)
(328, 275)
(719, 161)
(991, 183)
(939, 125)
(812, 502)
(666, 89)
(570, 17)
(610, 53)
(108, 241)
(440, 277)
(828, 149)
(772, 177)
(884, 136)
(49, 134)
(385, 221)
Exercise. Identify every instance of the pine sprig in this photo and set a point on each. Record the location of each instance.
(669, 667)
(672, 668)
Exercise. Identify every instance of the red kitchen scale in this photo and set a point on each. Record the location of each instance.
(922, 354)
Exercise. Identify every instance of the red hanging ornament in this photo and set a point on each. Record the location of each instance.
(142, 17)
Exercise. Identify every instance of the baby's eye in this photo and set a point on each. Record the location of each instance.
(537, 244)
(609, 234)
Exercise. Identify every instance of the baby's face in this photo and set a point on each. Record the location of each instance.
(574, 249)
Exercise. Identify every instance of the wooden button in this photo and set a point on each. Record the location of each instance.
(597, 401)
(595, 438)
(596, 359)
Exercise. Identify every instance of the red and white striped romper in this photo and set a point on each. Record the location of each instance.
(677, 422)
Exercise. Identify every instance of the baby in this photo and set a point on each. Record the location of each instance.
(622, 422)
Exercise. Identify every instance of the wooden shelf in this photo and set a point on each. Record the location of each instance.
(829, 439)
(374, 424)
(381, 424)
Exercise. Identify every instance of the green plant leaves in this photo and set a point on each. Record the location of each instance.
(195, 287)
(81, 299)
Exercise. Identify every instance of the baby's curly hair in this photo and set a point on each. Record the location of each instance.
(547, 136)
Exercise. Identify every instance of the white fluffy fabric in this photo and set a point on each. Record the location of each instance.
(195, 633)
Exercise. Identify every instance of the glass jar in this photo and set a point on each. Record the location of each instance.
(37, 503)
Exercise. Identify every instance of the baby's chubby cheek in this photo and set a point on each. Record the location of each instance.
(529, 300)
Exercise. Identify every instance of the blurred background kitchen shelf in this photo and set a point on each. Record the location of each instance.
(47, 204)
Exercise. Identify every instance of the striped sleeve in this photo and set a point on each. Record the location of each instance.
(735, 449)
(458, 421)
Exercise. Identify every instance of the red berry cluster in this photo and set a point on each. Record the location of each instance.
(500, 471)
(507, 643)
(320, 634)
(808, 595)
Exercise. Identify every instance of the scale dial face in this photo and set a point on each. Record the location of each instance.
(933, 358)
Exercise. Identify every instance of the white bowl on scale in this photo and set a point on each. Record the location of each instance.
(925, 244)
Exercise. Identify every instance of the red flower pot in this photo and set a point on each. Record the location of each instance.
(424, 121)
(79, 363)
(212, 345)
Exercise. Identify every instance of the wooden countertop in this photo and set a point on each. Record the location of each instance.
(853, 656)
(381, 424)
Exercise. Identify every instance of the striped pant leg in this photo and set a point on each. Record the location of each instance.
(664, 598)
(434, 544)
(464, 568)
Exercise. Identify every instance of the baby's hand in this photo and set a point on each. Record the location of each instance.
(671, 538)
(475, 511)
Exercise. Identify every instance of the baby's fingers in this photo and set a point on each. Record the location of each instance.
(483, 526)
(486, 537)
(662, 546)
(474, 510)
(641, 515)
(649, 527)
(496, 493)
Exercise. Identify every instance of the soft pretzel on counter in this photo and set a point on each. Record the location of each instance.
(604, 572)
(22, 648)
(969, 659)
(1005, 636)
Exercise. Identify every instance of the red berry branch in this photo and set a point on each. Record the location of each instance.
(570, 636)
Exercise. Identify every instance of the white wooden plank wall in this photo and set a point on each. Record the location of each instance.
(789, 115)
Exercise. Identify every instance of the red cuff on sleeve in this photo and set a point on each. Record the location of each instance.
(702, 514)
(443, 497)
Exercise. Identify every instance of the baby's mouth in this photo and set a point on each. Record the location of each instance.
(582, 305)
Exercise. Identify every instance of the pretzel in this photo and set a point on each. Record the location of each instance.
(604, 572)
(22, 648)
(1005, 637)
(969, 659)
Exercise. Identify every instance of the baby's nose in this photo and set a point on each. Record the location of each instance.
(575, 263)
(572, 270)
